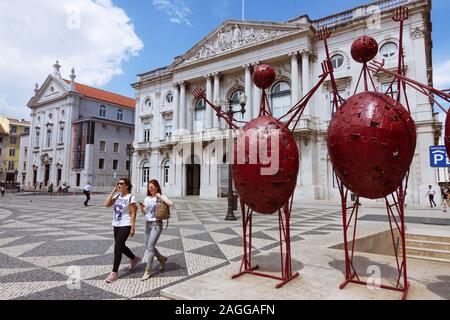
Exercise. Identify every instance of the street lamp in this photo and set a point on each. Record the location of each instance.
(130, 152)
(242, 101)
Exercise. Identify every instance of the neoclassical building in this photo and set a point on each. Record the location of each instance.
(179, 141)
(78, 134)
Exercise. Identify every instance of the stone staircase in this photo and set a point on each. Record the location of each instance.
(426, 247)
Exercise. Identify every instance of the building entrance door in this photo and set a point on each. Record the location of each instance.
(47, 174)
(193, 179)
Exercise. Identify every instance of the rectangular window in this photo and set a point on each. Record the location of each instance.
(115, 164)
(127, 165)
(116, 147)
(102, 146)
(24, 166)
(11, 166)
(1, 139)
(12, 152)
(120, 115)
(147, 135)
(102, 112)
(25, 151)
(27, 130)
(101, 163)
(13, 129)
(38, 133)
(49, 138)
(13, 140)
(168, 128)
(342, 93)
(389, 90)
(61, 135)
(145, 176)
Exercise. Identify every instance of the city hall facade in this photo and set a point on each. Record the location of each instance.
(179, 140)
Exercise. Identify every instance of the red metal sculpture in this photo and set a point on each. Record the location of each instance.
(272, 191)
(371, 142)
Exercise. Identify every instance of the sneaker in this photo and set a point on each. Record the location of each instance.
(134, 263)
(162, 263)
(147, 274)
(113, 276)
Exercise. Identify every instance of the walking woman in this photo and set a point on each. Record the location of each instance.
(124, 221)
(153, 227)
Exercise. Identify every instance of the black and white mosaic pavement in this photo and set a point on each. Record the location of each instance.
(55, 248)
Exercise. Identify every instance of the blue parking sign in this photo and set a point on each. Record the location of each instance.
(438, 157)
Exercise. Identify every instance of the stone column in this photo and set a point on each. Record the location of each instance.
(305, 72)
(257, 92)
(216, 96)
(182, 107)
(248, 92)
(294, 76)
(306, 78)
(209, 114)
(176, 108)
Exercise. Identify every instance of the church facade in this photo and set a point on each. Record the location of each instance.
(78, 134)
(181, 142)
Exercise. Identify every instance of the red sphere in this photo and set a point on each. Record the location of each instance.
(265, 186)
(264, 76)
(371, 142)
(364, 49)
(447, 134)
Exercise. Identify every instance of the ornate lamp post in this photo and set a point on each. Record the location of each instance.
(130, 152)
(242, 101)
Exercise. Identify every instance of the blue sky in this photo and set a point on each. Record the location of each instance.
(163, 39)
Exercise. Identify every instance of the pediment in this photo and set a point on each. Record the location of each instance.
(52, 88)
(234, 36)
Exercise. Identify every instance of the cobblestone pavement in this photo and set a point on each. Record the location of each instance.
(46, 242)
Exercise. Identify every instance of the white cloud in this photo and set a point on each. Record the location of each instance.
(177, 10)
(94, 36)
(441, 76)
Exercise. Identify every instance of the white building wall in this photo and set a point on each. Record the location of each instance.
(316, 174)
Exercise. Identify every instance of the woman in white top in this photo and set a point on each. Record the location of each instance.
(153, 227)
(124, 220)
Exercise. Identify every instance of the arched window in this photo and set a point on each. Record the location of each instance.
(388, 50)
(169, 98)
(145, 173)
(200, 108)
(281, 99)
(166, 170)
(337, 61)
(148, 103)
(235, 103)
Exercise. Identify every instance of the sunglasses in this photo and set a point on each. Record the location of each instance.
(121, 183)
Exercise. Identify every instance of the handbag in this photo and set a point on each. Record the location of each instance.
(162, 211)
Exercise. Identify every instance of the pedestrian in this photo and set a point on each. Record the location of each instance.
(444, 195)
(430, 193)
(153, 227)
(50, 189)
(124, 220)
(87, 192)
(35, 185)
(2, 190)
(40, 186)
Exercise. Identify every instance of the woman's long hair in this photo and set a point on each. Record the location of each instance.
(127, 183)
(156, 184)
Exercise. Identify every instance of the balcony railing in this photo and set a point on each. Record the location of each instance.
(154, 74)
(357, 13)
